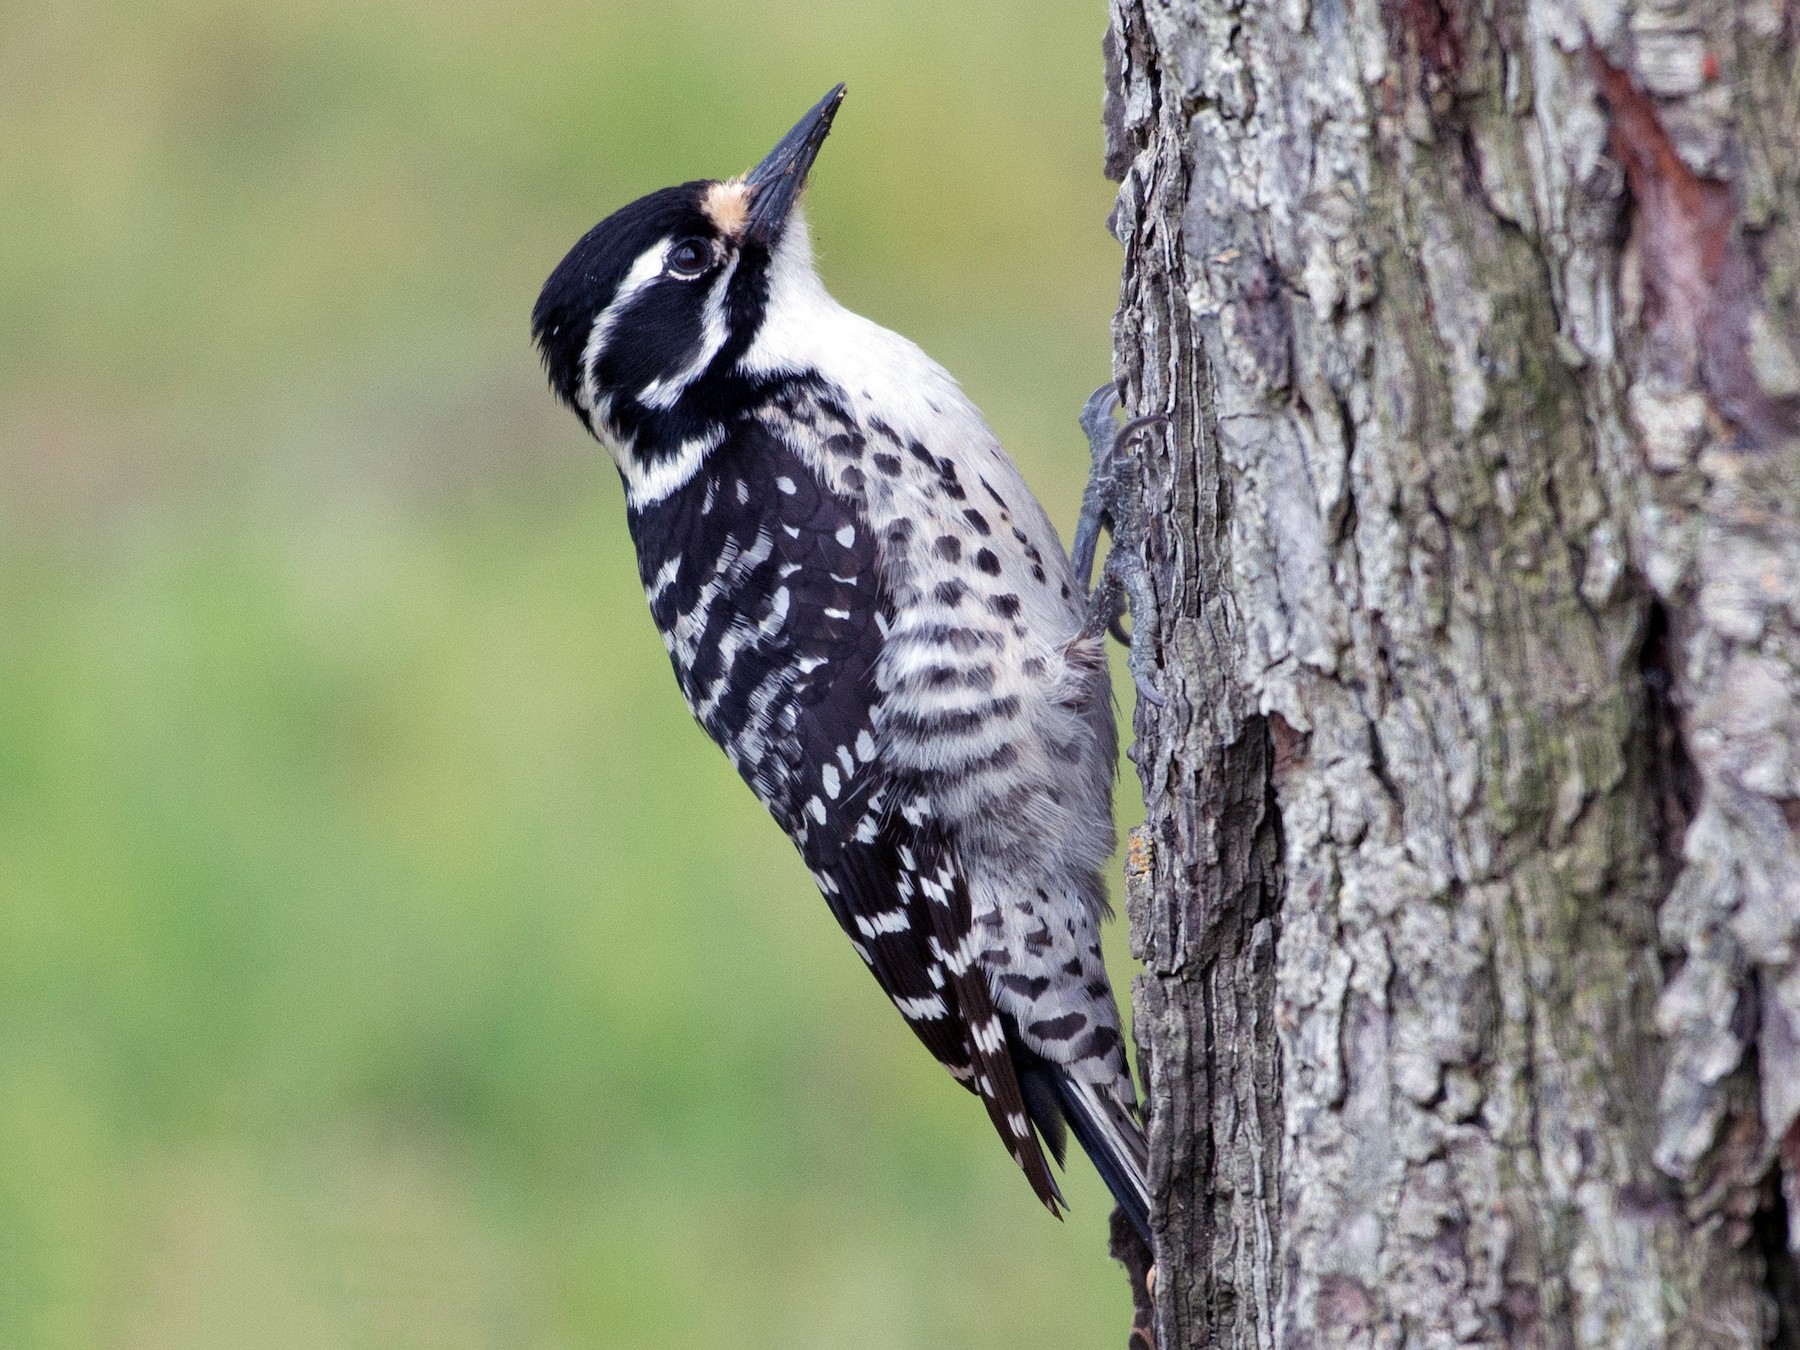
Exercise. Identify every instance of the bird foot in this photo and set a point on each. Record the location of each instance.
(1113, 501)
(1131, 1251)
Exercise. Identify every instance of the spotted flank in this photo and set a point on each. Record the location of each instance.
(869, 612)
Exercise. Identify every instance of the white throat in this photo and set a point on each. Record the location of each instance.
(880, 373)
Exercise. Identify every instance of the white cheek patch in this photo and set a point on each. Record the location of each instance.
(788, 337)
(646, 269)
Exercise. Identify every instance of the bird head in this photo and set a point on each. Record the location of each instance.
(646, 324)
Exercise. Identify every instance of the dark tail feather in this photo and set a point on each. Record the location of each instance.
(1041, 1100)
(1107, 1133)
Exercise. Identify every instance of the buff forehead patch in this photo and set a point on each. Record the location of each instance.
(727, 205)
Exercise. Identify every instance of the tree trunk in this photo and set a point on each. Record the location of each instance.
(1469, 896)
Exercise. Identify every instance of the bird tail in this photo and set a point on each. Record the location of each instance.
(1106, 1129)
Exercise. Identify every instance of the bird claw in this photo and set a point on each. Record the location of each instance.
(1102, 434)
(1111, 502)
(1132, 1252)
(1146, 691)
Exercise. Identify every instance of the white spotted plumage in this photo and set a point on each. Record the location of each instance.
(868, 609)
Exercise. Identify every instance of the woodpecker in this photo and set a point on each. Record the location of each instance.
(874, 618)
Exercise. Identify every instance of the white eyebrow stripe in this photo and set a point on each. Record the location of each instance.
(646, 269)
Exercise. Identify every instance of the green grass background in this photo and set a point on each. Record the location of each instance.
(386, 960)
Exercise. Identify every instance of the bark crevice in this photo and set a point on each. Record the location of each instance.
(1477, 565)
(1669, 772)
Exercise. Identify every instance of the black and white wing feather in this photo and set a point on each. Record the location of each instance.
(766, 589)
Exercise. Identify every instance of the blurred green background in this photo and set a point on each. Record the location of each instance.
(386, 960)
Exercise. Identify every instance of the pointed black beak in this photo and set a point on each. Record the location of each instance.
(777, 181)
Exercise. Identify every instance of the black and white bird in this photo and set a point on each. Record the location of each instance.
(871, 614)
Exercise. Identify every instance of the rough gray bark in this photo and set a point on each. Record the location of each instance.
(1469, 895)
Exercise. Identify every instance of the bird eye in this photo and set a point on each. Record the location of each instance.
(689, 258)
